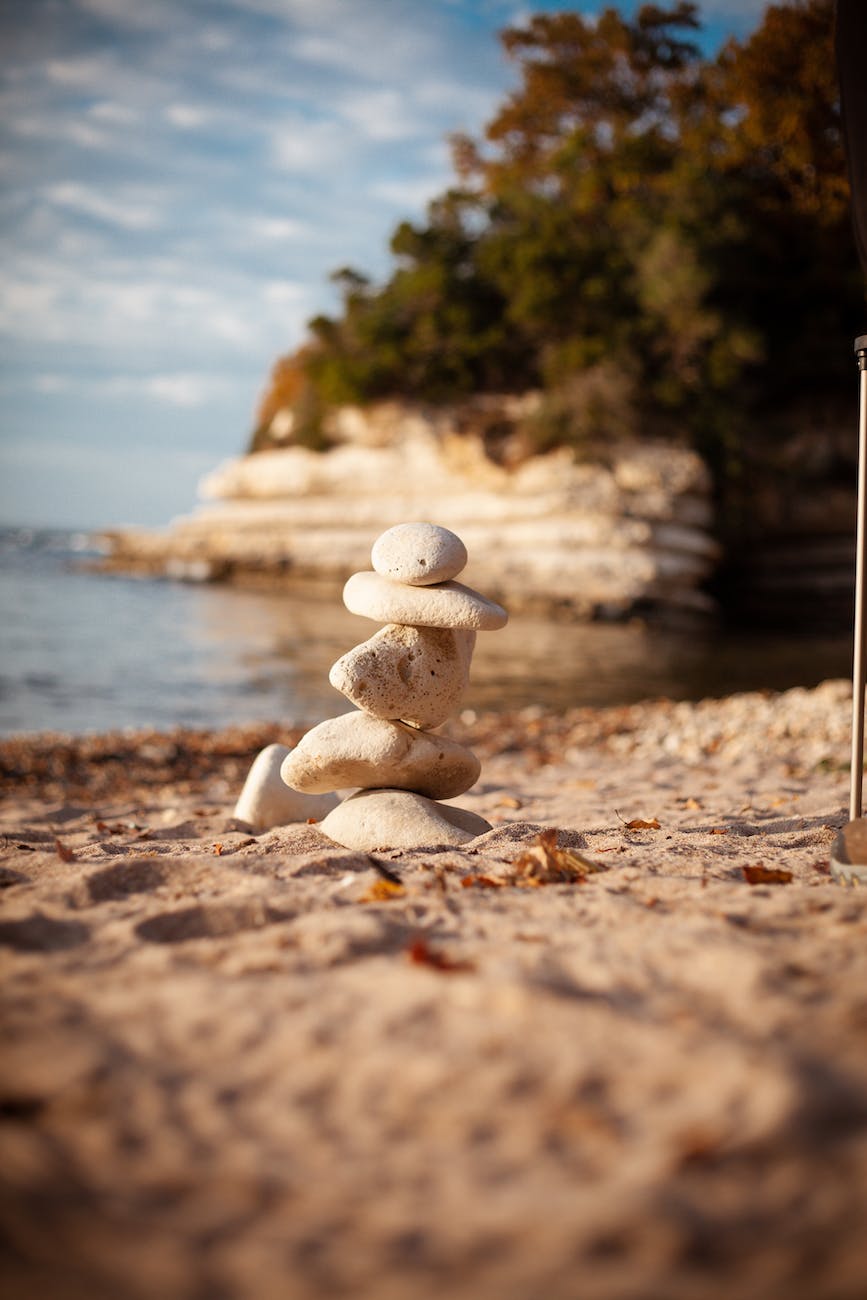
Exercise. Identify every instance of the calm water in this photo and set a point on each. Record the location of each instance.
(84, 652)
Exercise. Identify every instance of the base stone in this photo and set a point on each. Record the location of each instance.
(399, 819)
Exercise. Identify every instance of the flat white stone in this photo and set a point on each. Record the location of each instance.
(399, 819)
(267, 801)
(448, 604)
(418, 554)
(415, 674)
(358, 750)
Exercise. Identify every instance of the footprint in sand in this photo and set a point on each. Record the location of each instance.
(209, 921)
(136, 877)
(40, 933)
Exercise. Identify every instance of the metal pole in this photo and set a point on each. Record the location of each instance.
(858, 663)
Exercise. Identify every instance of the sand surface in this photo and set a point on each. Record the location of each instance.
(263, 1066)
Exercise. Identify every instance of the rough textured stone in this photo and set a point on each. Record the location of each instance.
(267, 801)
(448, 604)
(399, 819)
(418, 554)
(358, 750)
(415, 674)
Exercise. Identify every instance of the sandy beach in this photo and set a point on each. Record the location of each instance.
(583, 1056)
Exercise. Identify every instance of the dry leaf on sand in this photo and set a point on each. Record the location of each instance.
(543, 863)
(422, 954)
(383, 891)
(762, 875)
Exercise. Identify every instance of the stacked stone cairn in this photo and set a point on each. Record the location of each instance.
(405, 680)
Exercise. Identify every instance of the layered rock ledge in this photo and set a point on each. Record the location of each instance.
(598, 540)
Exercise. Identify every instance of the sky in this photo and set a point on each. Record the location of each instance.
(179, 179)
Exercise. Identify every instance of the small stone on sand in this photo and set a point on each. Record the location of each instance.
(356, 749)
(267, 801)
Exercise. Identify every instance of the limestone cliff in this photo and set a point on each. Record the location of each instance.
(596, 539)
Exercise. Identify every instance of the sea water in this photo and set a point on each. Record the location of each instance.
(82, 651)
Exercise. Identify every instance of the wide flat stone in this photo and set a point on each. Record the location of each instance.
(399, 819)
(448, 604)
(266, 800)
(415, 674)
(418, 554)
(358, 750)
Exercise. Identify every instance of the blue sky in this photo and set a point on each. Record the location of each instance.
(179, 179)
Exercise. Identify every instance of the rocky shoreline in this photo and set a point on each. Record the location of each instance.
(599, 540)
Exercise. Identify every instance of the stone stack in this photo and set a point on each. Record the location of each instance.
(405, 680)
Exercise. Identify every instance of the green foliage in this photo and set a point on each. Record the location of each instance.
(656, 240)
(587, 410)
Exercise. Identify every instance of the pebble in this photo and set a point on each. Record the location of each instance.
(446, 605)
(849, 854)
(415, 674)
(266, 800)
(418, 554)
(356, 749)
(399, 819)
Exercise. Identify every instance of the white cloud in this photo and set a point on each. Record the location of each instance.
(409, 193)
(111, 314)
(28, 307)
(283, 292)
(366, 39)
(461, 102)
(145, 15)
(186, 390)
(314, 12)
(327, 49)
(233, 325)
(214, 39)
(187, 117)
(113, 112)
(297, 145)
(380, 114)
(77, 70)
(278, 229)
(134, 85)
(71, 130)
(129, 210)
(48, 383)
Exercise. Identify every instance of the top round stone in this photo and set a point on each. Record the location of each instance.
(418, 554)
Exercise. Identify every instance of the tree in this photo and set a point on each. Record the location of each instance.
(639, 229)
